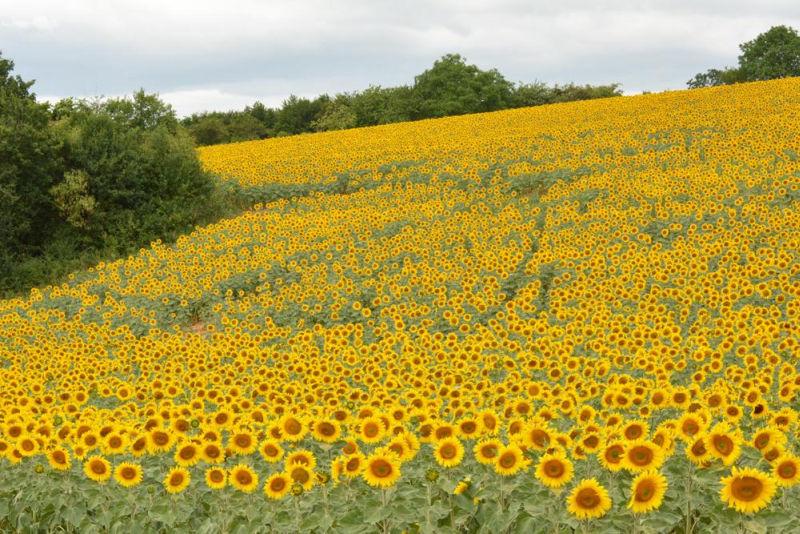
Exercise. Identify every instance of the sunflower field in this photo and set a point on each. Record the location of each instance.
(571, 318)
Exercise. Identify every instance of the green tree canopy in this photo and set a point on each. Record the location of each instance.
(452, 87)
(28, 167)
(773, 54)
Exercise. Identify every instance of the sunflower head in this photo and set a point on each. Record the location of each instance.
(128, 474)
(747, 490)
(381, 470)
(177, 480)
(216, 478)
(647, 491)
(588, 500)
(786, 470)
(278, 486)
(554, 470)
(243, 478)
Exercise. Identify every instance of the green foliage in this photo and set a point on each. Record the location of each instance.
(772, 54)
(297, 114)
(449, 87)
(73, 200)
(452, 87)
(28, 168)
(142, 171)
(715, 77)
(337, 115)
(383, 105)
(537, 93)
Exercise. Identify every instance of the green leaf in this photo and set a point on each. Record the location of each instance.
(775, 519)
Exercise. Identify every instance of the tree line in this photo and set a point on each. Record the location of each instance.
(450, 86)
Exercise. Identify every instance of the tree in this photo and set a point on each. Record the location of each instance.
(297, 114)
(135, 174)
(451, 87)
(382, 105)
(29, 166)
(337, 115)
(209, 130)
(773, 54)
(715, 77)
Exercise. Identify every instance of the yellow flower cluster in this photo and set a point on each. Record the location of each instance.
(530, 289)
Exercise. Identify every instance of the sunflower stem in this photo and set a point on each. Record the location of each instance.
(688, 486)
(428, 509)
(385, 522)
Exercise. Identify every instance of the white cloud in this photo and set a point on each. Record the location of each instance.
(212, 54)
(37, 23)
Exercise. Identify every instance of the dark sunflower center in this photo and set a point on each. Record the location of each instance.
(747, 488)
(554, 468)
(588, 499)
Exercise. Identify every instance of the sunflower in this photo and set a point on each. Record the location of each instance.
(177, 480)
(689, 425)
(28, 446)
(554, 470)
(139, 445)
(302, 457)
(301, 475)
(381, 470)
(462, 486)
(768, 437)
(786, 470)
(187, 454)
(271, 450)
(723, 443)
(293, 428)
(537, 435)
(647, 491)
(326, 431)
(448, 452)
(58, 459)
(613, 455)
(159, 441)
(510, 460)
(114, 443)
(489, 422)
(353, 464)
(641, 455)
(468, 428)
(371, 430)
(97, 468)
(400, 447)
(747, 490)
(216, 478)
(128, 474)
(588, 500)
(243, 478)
(242, 443)
(486, 450)
(278, 486)
(212, 453)
(697, 451)
(634, 430)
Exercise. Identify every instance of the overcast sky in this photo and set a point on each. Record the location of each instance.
(225, 54)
